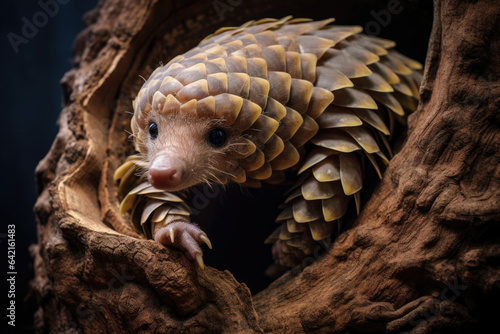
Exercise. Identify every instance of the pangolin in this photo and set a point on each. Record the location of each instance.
(273, 101)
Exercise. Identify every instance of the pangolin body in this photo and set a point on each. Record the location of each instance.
(267, 102)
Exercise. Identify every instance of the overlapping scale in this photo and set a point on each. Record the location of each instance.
(312, 189)
(357, 51)
(320, 99)
(344, 63)
(320, 229)
(336, 140)
(331, 79)
(293, 66)
(275, 58)
(306, 131)
(337, 117)
(289, 124)
(374, 82)
(338, 33)
(327, 170)
(280, 84)
(289, 157)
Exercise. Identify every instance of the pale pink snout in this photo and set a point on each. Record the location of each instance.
(164, 174)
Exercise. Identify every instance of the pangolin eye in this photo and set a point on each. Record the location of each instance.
(153, 130)
(217, 137)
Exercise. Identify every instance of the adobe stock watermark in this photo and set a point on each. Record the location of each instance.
(383, 17)
(30, 28)
(223, 6)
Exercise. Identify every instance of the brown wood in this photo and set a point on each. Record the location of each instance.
(422, 257)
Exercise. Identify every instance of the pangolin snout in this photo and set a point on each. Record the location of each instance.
(165, 175)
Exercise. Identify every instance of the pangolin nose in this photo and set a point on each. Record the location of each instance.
(162, 177)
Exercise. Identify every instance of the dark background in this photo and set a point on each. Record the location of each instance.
(31, 102)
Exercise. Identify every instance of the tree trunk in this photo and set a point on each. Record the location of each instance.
(422, 257)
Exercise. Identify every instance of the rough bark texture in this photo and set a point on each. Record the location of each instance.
(422, 257)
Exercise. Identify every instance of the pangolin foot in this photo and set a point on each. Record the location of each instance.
(185, 236)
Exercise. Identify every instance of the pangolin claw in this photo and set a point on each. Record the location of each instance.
(171, 235)
(199, 260)
(205, 239)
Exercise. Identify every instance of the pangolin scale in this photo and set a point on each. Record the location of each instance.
(304, 100)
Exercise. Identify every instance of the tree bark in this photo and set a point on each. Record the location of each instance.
(422, 257)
